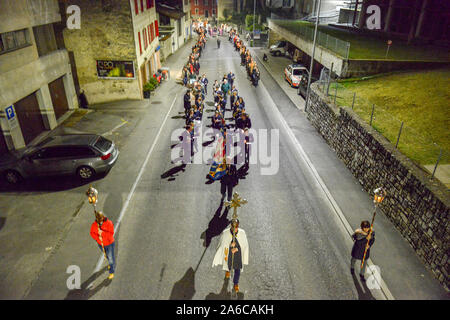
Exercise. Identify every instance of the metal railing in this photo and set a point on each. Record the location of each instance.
(324, 40)
(415, 145)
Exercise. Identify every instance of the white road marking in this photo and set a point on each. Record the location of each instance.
(124, 122)
(138, 178)
(320, 182)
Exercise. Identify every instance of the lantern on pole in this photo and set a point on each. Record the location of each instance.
(379, 195)
(92, 195)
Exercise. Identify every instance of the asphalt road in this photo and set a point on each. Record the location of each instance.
(171, 227)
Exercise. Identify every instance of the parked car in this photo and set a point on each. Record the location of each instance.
(85, 155)
(303, 86)
(293, 74)
(278, 49)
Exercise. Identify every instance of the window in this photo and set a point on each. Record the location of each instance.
(140, 45)
(205, 2)
(213, 11)
(152, 32)
(196, 11)
(179, 27)
(196, 2)
(10, 41)
(80, 152)
(149, 35)
(144, 34)
(156, 28)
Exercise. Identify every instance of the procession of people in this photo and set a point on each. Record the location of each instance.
(233, 249)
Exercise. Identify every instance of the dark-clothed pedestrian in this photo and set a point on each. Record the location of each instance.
(230, 78)
(360, 238)
(83, 100)
(243, 122)
(204, 80)
(229, 180)
(102, 231)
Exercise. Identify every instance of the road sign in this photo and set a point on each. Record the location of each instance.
(257, 34)
(11, 116)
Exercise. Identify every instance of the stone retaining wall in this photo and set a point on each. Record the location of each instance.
(418, 207)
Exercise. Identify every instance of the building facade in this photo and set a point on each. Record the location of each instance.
(204, 8)
(175, 23)
(116, 48)
(36, 84)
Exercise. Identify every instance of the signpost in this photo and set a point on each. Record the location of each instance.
(389, 43)
(11, 116)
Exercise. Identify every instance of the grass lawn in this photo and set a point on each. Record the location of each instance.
(368, 46)
(418, 98)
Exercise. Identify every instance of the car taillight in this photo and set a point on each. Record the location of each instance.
(106, 156)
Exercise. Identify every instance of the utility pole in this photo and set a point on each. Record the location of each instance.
(254, 17)
(308, 89)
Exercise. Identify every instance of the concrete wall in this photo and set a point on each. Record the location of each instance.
(359, 68)
(323, 56)
(418, 207)
(23, 72)
(109, 35)
(27, 13)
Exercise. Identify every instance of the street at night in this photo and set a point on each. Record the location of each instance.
(301, 198)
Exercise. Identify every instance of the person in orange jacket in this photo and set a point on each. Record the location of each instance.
(102, 231)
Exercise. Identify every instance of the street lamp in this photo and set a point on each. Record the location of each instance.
(254, 14)
(308, 89)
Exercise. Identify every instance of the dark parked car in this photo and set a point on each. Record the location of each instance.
(82, 154)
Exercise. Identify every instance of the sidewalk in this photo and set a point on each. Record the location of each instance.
(401, 269)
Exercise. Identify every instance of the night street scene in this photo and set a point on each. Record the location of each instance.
(225, 157)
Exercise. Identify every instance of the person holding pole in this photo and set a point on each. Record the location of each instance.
(232, 252)
(362, 237)
(102, 231)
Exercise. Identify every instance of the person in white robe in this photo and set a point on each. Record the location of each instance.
(232, 252)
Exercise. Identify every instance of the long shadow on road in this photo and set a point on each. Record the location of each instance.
(85, 292)
(363, 291)
(46, 184)
(216, 226)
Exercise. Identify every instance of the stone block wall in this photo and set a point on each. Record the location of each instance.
(417, 207)
(106, 33)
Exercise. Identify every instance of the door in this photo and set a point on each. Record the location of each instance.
(29, 117)
(78, 156)
(52, 161)
(59, 99)
(3, 145)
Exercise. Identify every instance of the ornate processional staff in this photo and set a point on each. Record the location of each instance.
(235, 203)
(380, 193)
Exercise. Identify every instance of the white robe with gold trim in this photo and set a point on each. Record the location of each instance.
(224, 245)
